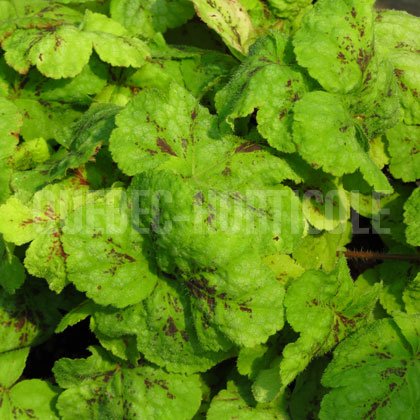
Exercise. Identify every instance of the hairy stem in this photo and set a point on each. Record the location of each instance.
(380, 256)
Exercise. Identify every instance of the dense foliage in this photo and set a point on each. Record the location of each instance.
(187, 178)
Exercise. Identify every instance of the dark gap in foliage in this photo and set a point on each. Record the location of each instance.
(216, 377)
(365, 238)
(71, 343)
(195, 33)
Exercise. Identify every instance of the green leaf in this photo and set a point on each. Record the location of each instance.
(397, 35)
(99, 239)
(29, 154)
(169, 14)
(134, 16)
(28, 399)
(76, 315)
(411, 218)
(404, 149)
(329, 301)
(323, 248)
(268, 383)
(229, 287)
(229, 404)
(206, 71)
(88, 134)
(230, 20)
(164, 327)
(397, 277)
(392, 215)
(109, 38)
(10, 126)
(284, 267)
(268, 80)
(218, 265)
(308, 392)
(124, 347)
(44, 119)
(12, 364)
(341, 34)
(411, 296)
(33, 399)
(327, 137)
(202, 164)
(375, 373)
(99, 387)
(57, 53)
(251, 360)
(25, 319)
(325, 203)
(40, 222)
(289, 8)
(12, 273)
(78, 90)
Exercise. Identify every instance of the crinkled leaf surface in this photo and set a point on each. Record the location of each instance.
(404, 148)
(289, 8)
(284, 267)
(323, 129)
(40, 222)
(200, 173)
(341, 33)
(375, 373)
(104, 255)
(270, 81)
(111, 43)
(58, 52)
(172, 132)
(322, 307)
(134, 16)
(100, 387)
(164, 327)
(169, 14)
(397, 34)
(62, 49)
(151, 15)
(412, 219)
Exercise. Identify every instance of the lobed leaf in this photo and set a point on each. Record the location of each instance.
(100, 386)
(375, 372)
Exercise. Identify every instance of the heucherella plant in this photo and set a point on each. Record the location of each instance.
(184, 185)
